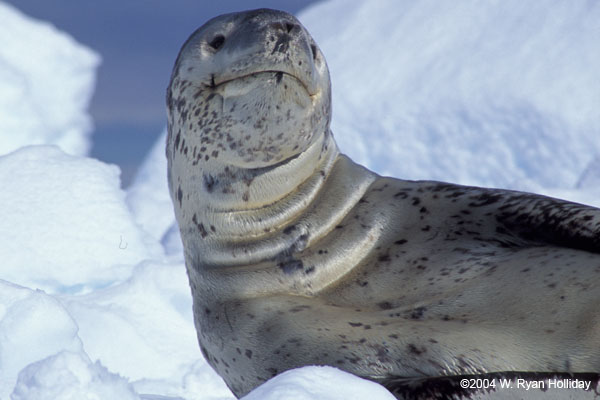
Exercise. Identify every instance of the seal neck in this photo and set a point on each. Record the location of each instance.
(279, 248)
(242, 213)
(230, 189)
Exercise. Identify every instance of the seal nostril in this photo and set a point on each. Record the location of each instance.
(283, 26)
(217, 42)
(313, 49)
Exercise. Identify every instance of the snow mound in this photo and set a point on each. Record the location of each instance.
(489, 94)
(71, 376)
(146, 310)
(157, 348)
(65, 224)
(150, 202)
(46, 83)
(319, 383)
(172, 242)
(148, 196)
(33, 325)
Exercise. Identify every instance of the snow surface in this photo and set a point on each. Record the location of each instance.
(54, 206)
(46, 83)
(72, 376)
(148, 196)
(318, 382)
(502, 93)
(94, 299)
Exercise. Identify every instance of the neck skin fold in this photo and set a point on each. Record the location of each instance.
(239, 232)
(267, 250)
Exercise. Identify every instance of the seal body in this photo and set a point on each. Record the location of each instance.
(298, 256)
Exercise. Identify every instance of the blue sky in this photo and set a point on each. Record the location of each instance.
(138, 41)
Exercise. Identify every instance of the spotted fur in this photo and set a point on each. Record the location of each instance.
(297, 256)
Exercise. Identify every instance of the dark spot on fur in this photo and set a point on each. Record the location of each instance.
(177, 139)
(289, 229)
(484, 199)
(418, 312)
(299, 308)
(200, 226)
(209, 182)
(291, 266)
(278, 77)
(415, 350)
(179, 195)
(204, 353)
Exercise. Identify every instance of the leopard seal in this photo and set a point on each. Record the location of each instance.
(298, 256)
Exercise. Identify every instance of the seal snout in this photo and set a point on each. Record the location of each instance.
(258, 41)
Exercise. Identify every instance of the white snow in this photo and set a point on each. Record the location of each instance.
(503, 93)
(70, 376)
(65, 224)
(322, 383)
(148, 196)
(94, 299)
(33, 326)
(46, 83)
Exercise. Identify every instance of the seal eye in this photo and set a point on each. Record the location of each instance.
(217, 42)
(313, 49)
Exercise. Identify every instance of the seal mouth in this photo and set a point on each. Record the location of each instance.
(277, 74)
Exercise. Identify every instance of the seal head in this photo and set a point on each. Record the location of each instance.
(256, 78)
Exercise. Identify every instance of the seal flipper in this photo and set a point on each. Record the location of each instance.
(534, 218)
(546, 220)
